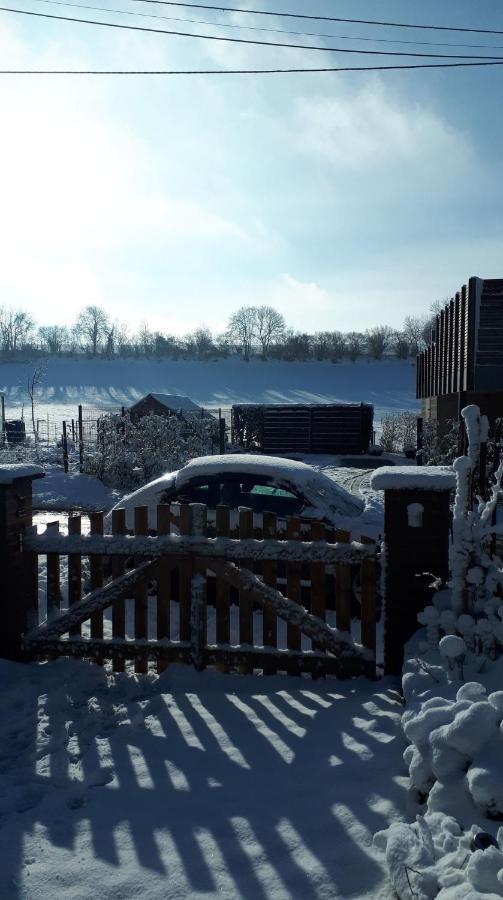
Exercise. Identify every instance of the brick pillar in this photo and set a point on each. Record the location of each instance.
(416, 536)
(18, 571)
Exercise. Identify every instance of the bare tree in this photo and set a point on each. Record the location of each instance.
(32, 388)
(378, 340)
(295, 345)
(199, 343)
(110, 339)
(270, 326)
(337, 345)
(414, 330)
(168, 345)
(15, 327)
(145, 340)
(401, 345)
(242, 329)
(355, 344)
(53, 338)
(222, 345)
(92, 325)
(320, 344)
(122, 337)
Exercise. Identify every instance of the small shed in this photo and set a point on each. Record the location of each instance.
(165, 405)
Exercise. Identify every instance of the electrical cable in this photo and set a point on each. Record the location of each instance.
(289, 15)
(404, 66)
(340, 37)
(235, 40)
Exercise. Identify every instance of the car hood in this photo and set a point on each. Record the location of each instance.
(149, 495)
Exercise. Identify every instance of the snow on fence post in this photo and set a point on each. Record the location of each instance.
(19, 587)
(416, 547)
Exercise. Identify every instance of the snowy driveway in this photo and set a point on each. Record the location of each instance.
(194, 786)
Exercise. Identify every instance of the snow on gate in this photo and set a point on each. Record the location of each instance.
(150, 601)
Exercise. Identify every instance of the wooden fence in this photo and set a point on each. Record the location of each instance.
(309, 428)
(207, 593)
(466, 349)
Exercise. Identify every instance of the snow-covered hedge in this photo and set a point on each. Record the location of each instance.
(129, 454)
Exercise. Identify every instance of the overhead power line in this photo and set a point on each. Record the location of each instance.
(290, 15)
(236, 40)
(456, 65)
(261, 28)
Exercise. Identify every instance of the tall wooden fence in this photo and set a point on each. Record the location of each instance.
(307, 428)
(220, 588)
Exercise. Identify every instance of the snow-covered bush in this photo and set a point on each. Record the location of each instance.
(128, 454)
(390, 433)
(398, 431)
(453, 691)
(455, 765)
(440, 450)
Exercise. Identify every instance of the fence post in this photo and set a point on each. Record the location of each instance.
(19, 571)
(416, 548)
(221, 432)
(81, 441)
(65, 449)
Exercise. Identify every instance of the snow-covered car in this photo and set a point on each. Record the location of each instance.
(261, 483)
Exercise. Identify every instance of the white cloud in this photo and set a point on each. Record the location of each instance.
(372, 128)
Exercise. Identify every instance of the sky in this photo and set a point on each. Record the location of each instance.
(345, 200)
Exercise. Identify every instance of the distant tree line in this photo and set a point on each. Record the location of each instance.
(252, 331)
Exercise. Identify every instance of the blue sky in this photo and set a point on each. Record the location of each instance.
(344, 200)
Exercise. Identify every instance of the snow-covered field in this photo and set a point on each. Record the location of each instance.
(389, 384)
(194, 786)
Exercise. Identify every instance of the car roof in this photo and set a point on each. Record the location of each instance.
(315, 486)
(245, 464)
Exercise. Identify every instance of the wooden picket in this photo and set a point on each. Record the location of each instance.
(119, 607)
(200, 559)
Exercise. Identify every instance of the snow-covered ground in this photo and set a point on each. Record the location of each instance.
(389, 384)
(194, 785)
(73, 491)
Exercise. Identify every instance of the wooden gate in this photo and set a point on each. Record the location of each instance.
(207, 594)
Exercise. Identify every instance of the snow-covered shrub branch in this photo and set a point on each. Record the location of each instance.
(476, 572)
(129, 454)
(398, 431)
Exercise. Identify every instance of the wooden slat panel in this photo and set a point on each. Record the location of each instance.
(185, 576)
(343, 587)
(269, 573)
(96, 566)
(141, 593)
(293, 589)
(163, 583)
(245, 599)
(74, 570)
(222, 587)
(455, 347)
(118, 607)
(318, 580)
(53, 583)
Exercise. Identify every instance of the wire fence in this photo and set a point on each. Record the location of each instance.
(52, 439)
